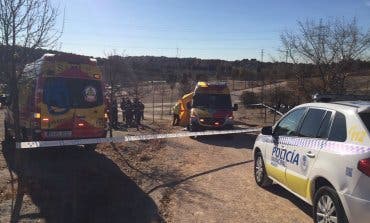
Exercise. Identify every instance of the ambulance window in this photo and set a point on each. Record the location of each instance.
(338, 130)
(325, 126)
(311, 123)
(72, 93)
(289, 124)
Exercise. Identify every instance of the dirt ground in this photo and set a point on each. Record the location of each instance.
(207, 179)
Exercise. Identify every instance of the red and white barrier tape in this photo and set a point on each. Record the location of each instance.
(71, 142)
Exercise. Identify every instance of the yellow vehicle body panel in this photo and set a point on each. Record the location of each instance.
(184, 110)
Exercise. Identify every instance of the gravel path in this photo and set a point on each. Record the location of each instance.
(217, 185)
(207, 179)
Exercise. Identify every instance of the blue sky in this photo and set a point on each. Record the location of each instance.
(217, 29)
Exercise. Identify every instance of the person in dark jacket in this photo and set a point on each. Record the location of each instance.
(122, 106)
(137, 113)
(141, 107)
(128, 112)
(114, 114)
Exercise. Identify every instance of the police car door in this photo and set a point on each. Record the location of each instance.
(276, 155)
(306, 147)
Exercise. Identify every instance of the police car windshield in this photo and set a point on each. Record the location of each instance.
(212, 101)
(72, 93)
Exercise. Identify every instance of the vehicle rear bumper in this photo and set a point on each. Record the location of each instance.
(357, 209)
(226, 123)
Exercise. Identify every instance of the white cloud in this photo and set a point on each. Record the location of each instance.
(367, 3)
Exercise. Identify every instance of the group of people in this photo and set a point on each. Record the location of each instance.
(132, 112)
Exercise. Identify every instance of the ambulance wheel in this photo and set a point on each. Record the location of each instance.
(91, 147)
(192, 128)
(260, 174)
(327, 206)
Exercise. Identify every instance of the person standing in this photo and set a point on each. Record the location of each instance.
(114, 114)
(141, 108)
(176, 114)
(122, 106)
(128, 112)
(137, 113)
(109, 111)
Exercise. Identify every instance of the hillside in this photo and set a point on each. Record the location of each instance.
(146, 68)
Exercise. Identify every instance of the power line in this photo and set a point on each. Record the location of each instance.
(192, 39)
(169, 28)
(162, 48)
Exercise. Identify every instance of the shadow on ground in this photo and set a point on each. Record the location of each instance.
(75, 185)
(122, 127)
(237, 122)
(175, 183)
(238, 141)
(280, 191)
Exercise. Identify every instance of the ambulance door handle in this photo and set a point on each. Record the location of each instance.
(310, 154)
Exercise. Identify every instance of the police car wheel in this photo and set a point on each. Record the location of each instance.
(327, 207)
(260, 174)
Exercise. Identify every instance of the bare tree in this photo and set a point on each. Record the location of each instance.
(171, 81)
(185, 85)
(331, 46)
(114, 71)
(24, 25)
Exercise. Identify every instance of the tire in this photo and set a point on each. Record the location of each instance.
(328, 196)
(91, 147)
(260, 174)
(193, 128)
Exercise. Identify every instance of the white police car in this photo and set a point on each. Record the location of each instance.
(321, 153)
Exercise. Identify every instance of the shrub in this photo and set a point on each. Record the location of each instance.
(249, 98)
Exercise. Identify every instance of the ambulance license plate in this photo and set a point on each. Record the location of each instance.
(59, 134)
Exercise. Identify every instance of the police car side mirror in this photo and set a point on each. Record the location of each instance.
(267, 130)
(236, 107)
